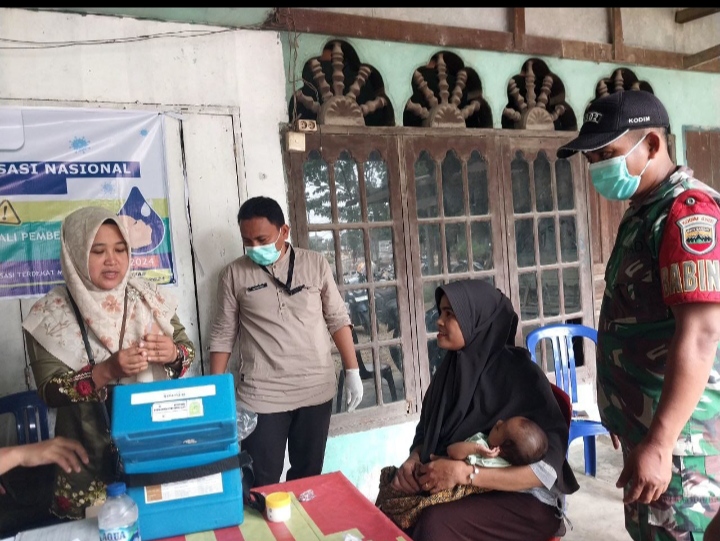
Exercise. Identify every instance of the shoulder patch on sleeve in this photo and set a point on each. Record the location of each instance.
(689, 252)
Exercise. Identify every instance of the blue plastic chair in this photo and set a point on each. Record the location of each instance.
(561, 336)
(31, 418)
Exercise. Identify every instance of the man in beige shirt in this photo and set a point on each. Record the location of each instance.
(283, 305)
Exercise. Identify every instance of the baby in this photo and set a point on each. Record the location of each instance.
(515, 442)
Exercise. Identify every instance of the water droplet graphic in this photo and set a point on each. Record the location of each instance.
(79, 144)
(108, 189)
(145, 227)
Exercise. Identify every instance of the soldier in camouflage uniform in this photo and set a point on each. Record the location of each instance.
(657, 354)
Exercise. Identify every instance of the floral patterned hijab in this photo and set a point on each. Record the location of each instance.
(52, 321)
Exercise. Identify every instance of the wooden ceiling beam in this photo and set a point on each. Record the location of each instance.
(685, 15)
(340, 25)
(618, 43)
(358, 26)
(519, 28)
(694, 60)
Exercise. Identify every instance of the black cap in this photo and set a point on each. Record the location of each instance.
(610, 117)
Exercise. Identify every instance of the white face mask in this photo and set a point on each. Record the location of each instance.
(612, 179)
(267, 254)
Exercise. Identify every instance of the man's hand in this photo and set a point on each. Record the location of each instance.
(647, 473)
(353, 385)
(690, 358)
(353, 388)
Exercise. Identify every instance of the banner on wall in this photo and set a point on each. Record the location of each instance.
(56, 160)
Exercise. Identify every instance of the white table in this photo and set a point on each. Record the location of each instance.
(74, 530)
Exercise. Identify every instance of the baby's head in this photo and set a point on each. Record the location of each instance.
(521, 441)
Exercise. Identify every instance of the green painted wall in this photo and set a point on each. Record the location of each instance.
(692, 99)
(234, 17)
(360, 456)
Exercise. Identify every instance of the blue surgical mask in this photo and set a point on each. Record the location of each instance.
(267, 254)
(612, 179)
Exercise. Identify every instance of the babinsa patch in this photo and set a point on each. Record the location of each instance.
(697, 233)
(689, 254)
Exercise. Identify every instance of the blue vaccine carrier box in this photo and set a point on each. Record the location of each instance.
(180, 425)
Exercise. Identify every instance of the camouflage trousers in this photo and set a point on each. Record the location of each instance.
(685, 509)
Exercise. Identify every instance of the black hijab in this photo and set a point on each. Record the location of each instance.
(489, 379)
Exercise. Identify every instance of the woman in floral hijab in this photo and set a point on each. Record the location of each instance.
(133, 333)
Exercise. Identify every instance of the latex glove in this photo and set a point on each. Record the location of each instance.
(353, 388)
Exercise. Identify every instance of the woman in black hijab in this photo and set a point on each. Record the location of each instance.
(482, 379)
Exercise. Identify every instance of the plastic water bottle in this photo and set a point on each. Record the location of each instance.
(118, 518)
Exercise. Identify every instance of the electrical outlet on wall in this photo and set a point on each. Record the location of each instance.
(305, 125)
(295, 141)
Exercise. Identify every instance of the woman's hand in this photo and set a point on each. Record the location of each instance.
(442, 473)
(66, 453)
(127, 362)
(159, 348)
(121, 364)
(405, 480)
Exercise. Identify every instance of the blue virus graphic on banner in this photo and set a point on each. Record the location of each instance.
(145, 227)
(79, 144)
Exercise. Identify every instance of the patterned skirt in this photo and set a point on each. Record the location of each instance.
(404, 509)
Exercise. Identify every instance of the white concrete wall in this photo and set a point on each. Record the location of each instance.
(582, 24)
(228, 88)
(655, 28)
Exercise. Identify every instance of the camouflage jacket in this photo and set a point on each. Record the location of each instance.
(666, 253)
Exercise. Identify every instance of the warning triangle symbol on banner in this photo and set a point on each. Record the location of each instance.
(8, 216)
